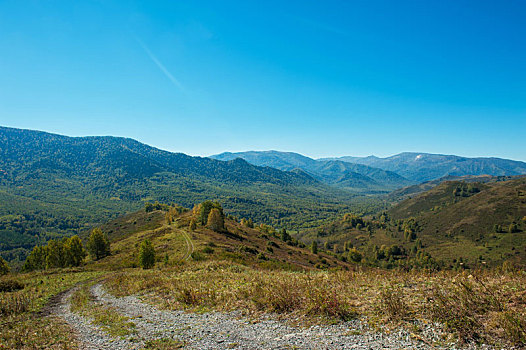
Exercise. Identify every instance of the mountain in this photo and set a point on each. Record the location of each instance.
(353, 177)
(476, 223)
(420, 167)
(55, 185)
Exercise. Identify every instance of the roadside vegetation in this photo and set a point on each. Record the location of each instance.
(476, 306)
(23, 309)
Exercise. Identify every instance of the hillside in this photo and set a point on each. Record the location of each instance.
(420, 167)
(413, 190)
(470, 222)
(357, 178)
(176, 243)
(53, 184)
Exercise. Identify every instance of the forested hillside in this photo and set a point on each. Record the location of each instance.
(54, 185)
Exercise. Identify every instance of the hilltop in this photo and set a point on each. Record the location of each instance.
(175, 243)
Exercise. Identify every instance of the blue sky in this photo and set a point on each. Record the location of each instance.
(322, 78)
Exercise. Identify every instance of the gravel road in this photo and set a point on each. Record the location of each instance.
(219, 330)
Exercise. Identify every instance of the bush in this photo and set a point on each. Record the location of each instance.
(208, 250)
(146, 255)
(10, 285)
(393, 303)
(14, 303)
(4, 268)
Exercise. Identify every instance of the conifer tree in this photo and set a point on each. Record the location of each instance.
(55, 254)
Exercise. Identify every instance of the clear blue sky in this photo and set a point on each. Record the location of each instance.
(322, 78)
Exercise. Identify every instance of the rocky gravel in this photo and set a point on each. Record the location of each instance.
(229, 330)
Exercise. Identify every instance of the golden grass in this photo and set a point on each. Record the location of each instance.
(484, 306)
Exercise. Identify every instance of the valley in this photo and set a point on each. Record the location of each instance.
(111, 243)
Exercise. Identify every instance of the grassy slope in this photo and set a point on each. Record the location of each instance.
(464, 226)
(241, 244)
(451, 226)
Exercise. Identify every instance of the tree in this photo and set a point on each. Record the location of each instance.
(98, 244)
(4, 268)
(202, 211)
(215, 220)
(74, 251)
(355, 255)
(36, 260)
(55, 254)
(146, 255)
(314, 247)
(285, 237)
(193, 225)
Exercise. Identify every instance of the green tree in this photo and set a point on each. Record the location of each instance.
(314, 247)
(215, 220)
(355, 255)
(36, 260)
(4, 268)
(146, 255)
(285, 237)
(193, 225)
(98, 244)
(74, 251)
(55, 254)
(202, 211)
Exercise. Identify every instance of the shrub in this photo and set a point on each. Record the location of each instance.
(393, 303)
(208, 250)
(146, 255)
(10, 285)
(14, 303)
(4, 268)
(314, 247)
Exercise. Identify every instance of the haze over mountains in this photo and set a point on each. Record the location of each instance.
(420, 167)
(373, 173)
(354, 177)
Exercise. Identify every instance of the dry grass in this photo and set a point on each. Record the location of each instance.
(484, 306)
(22, 325)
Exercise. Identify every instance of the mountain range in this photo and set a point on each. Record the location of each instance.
(420, 167)
(357, 178)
